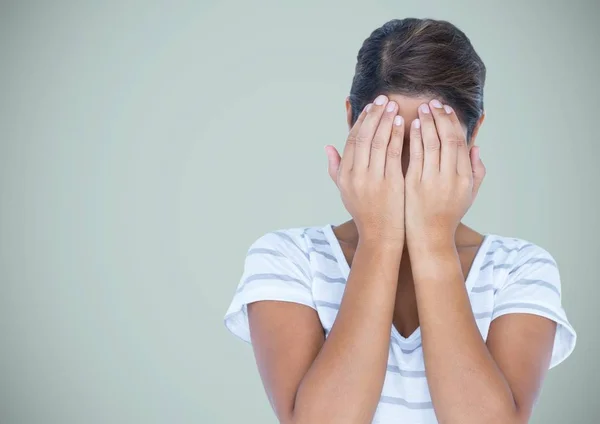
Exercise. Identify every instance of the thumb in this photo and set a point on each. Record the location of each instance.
(478, 169)
(333, 162)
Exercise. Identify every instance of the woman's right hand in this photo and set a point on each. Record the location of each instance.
(369, 174)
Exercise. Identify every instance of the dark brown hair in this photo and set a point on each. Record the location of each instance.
(420, 57)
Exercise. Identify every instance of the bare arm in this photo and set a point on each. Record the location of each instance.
(470, 383)
(338, 380)
(310, 380)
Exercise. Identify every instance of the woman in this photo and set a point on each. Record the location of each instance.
(403, 314)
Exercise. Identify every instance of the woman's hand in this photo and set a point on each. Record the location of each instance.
(443, 177)
(369, 174)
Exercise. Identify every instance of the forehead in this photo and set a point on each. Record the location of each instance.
(408, 105)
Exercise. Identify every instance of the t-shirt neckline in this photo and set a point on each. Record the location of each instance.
(414, 338)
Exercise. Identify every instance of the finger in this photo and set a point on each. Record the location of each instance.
(431, 142)
(333, 162)
(463, 162)
(348, 154)
(478, 169)
(381, 140)
(366, 132)
(415, 166)
(393, 164)
(449, 140)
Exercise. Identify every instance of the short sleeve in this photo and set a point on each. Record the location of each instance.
(533, 286)
(276, 267)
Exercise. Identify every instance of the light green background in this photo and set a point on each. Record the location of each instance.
(144, 145)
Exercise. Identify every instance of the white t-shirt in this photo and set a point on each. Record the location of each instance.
(306, 265)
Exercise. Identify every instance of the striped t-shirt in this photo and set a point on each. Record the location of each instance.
(306, 265)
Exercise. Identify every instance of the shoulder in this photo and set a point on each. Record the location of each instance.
(291, 242)
(513, 252)
(513, 259)
(276, 268)
(526, 280)
(297, 247)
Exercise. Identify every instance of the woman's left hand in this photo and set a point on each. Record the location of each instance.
(443, 177)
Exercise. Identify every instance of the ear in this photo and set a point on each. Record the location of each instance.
(476, 129)
(348, 113)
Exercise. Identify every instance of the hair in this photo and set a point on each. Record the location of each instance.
(420, 57)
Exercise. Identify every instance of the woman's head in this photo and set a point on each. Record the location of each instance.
(414, 60)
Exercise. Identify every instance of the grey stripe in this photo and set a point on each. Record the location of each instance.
(495, 267)
(256, 250)
(508, 249)
(291, 240)
(526, 282)
(482, 289)
(481, 315)
(262, 250)
(327, 279)
(405, 373)
(278, 277)
(405, 403)
(406, 351)
(522, 305)
(534, 261)
(318, 241)
(335, 306)
(409, 351)
(327, 255)
(486, 265)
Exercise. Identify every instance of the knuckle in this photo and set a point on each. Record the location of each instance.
(394, 152)
(451, 140)
(461, 142)
(361, 139)
(454, 140)
(416, 154)
(378, 144)
(432, 146)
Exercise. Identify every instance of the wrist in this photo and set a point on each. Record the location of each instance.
(381, 243)
(432, 261)
(428, 246)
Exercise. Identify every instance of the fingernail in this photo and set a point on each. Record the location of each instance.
(436, 103)
(417, 123)
(424, 108)
(390, 106)
(380, 100)
(398, 120)
(368, 107)
(448, 109)
(476, 152)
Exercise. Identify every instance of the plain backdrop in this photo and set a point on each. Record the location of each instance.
(144, 145)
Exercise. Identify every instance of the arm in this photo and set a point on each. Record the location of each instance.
(339, 380)
(469, 382)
